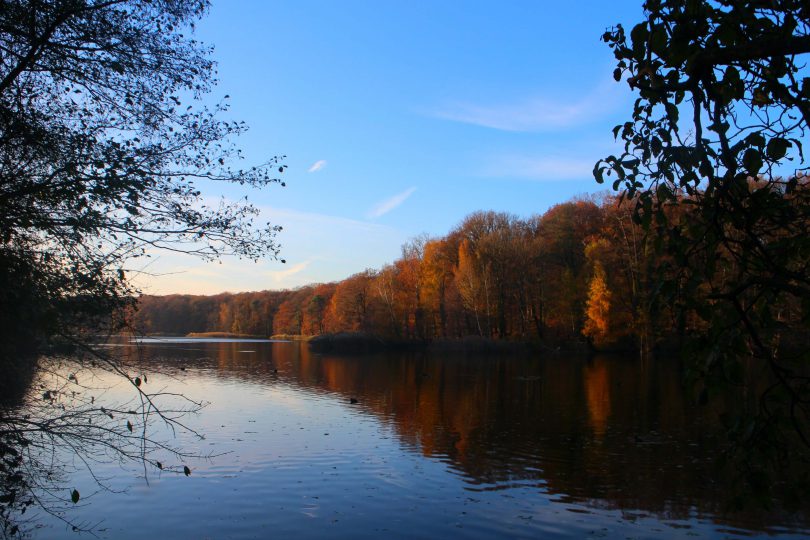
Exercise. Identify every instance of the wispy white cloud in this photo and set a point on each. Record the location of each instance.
(281, 275)
(317, 166)
(538, 113)
(383, 207)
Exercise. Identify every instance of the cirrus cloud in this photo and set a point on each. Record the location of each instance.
(537, 113)
(317, 166)
(385, 206)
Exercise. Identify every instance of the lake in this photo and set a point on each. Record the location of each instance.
(435, 446)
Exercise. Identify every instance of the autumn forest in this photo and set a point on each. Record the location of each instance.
(584, 272)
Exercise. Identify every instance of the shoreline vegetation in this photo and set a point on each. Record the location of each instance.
(358, 343)
(291, 337)
(228, 335)
(495, 276)
(361, 342)
(583, 276)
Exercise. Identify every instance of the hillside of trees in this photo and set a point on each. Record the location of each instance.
(583, 271)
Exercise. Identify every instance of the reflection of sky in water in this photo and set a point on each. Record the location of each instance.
(439, 447)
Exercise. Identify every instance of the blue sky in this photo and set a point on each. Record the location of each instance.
(401, 118)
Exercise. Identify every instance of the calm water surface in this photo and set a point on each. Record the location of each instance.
(437, 446)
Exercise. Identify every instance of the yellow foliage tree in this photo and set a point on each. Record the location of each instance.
(597, 321)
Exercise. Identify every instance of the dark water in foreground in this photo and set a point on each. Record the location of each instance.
(435, 447)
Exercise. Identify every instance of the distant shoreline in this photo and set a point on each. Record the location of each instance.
(230, 335)
(357, 342)
(362, 343)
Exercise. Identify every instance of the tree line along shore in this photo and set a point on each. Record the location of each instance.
(583, 274)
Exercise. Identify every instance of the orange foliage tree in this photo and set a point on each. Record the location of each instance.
(597, 312)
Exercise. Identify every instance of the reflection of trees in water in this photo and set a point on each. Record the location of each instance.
(31, 475)
(615, 433)
(597, 390)
(15, 381)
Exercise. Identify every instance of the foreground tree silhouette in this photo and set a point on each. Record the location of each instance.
(718, 128)
(105, 151)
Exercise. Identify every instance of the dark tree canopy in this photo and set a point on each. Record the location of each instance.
(718, 131)
(105, 150)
